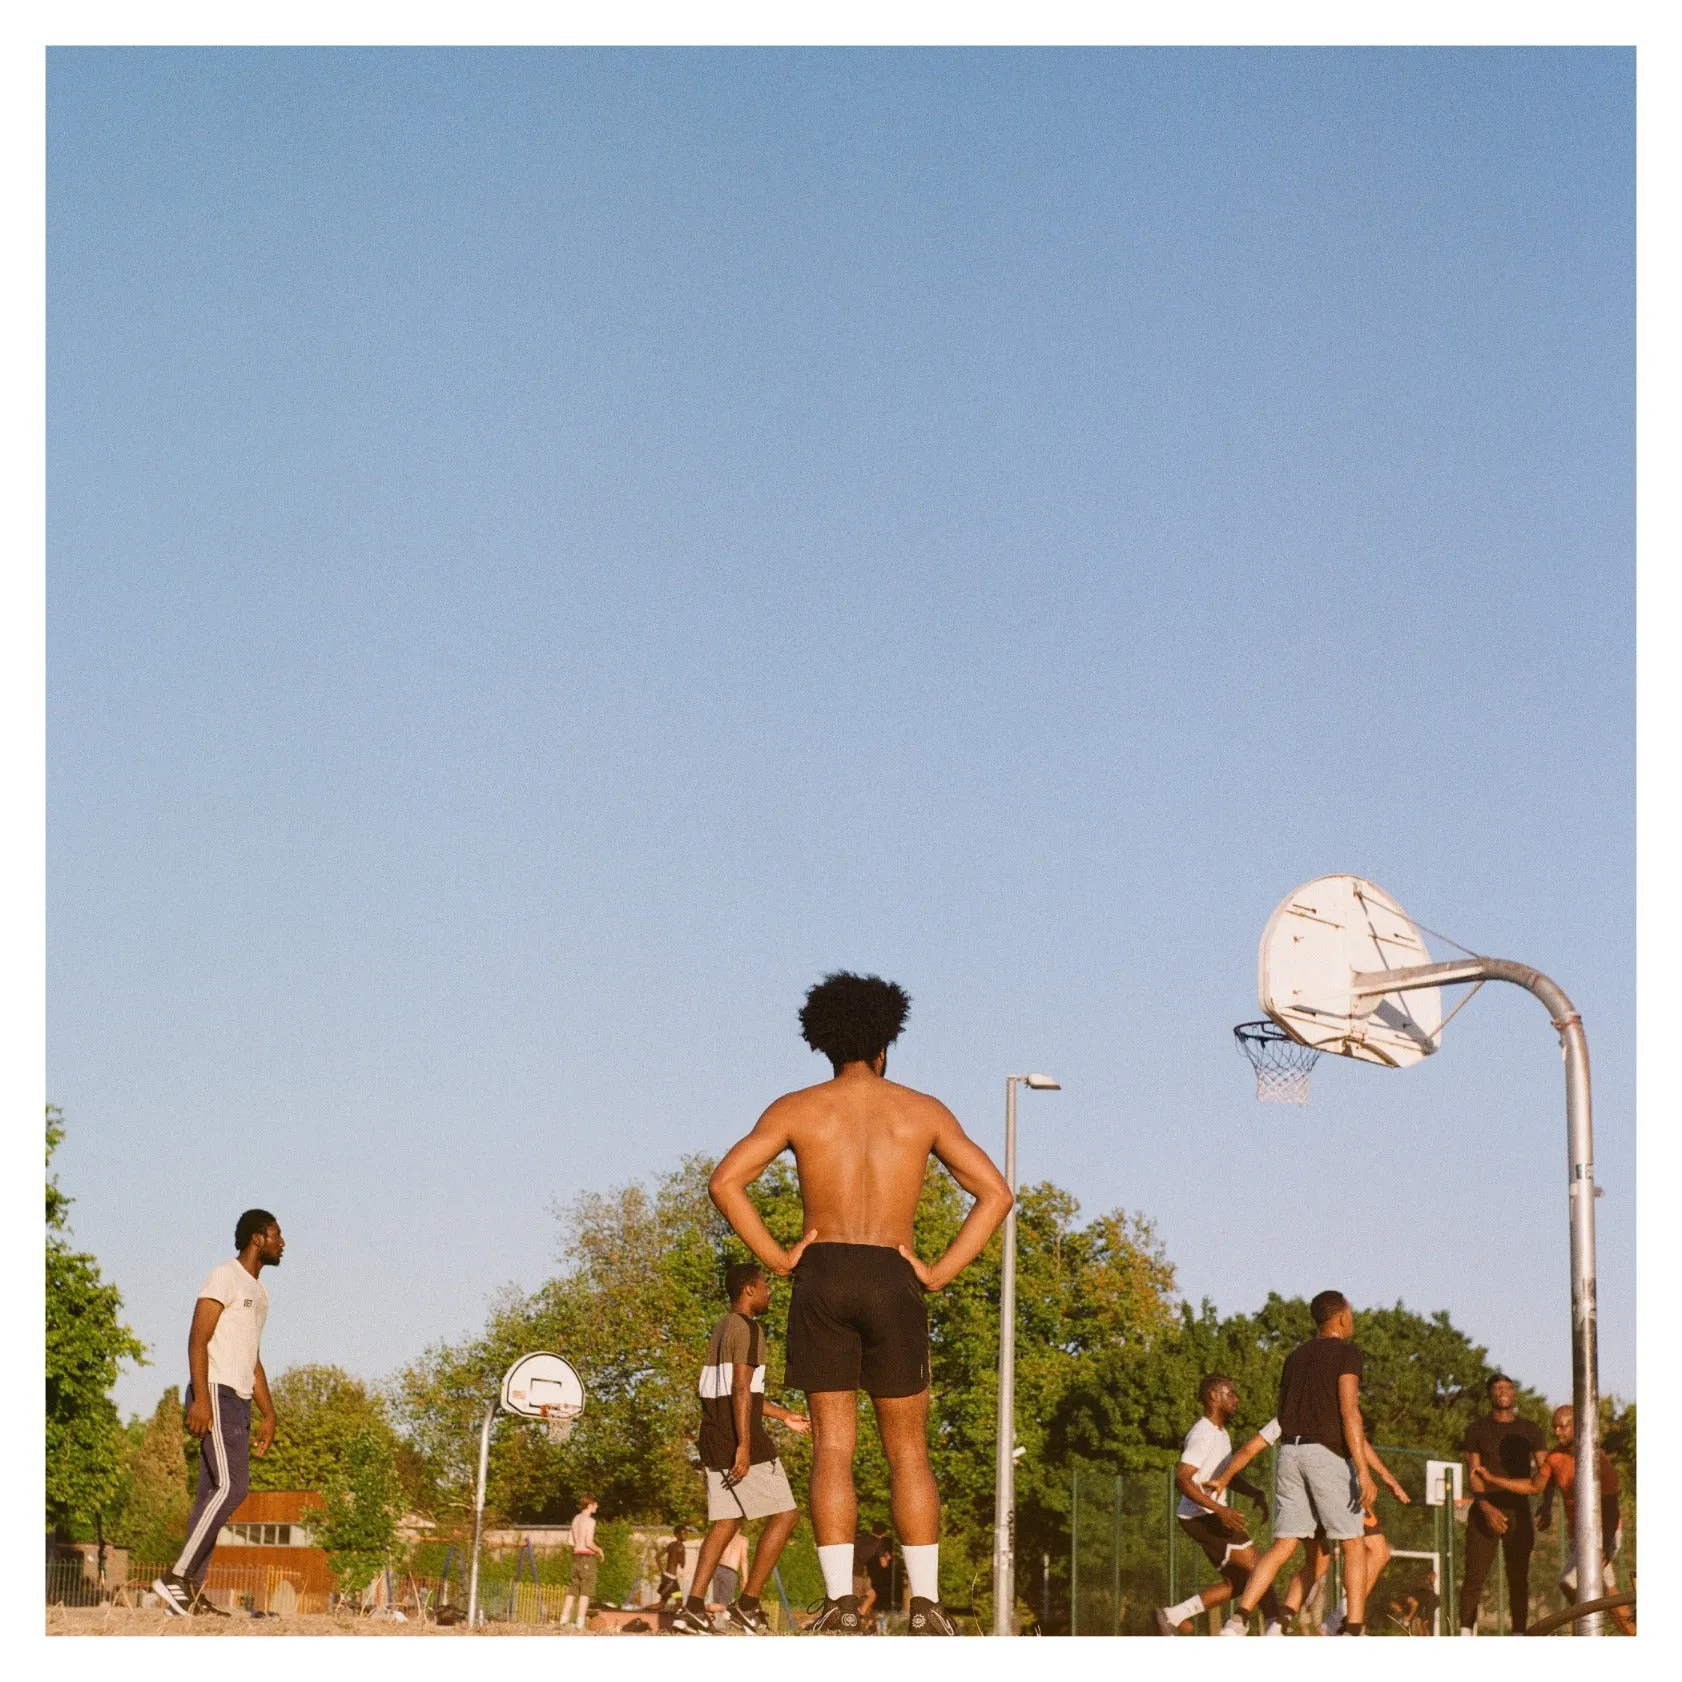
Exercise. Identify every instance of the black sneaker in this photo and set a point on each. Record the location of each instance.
(686, 1621)
(838, 1617)
(929, 1617)
(204, 1607)
(748, 1620)
(175, 1594)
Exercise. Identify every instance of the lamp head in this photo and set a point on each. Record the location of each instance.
(1042, 1083)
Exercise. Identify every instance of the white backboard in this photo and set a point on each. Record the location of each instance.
(1439, 1473)
(541, 1381)
(1322, 935)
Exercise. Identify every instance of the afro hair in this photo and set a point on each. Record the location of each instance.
(851, 1018)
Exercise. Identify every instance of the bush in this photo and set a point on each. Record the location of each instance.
(621, 1567)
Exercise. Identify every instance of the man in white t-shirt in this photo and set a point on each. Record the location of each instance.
(226, 1376)
(1217, 1528)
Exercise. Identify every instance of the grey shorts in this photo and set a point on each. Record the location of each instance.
(1315, 1489)
(761, 1493)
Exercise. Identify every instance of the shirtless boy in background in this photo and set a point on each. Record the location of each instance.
(861, 1146)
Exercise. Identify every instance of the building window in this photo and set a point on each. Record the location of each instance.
(264, 1536)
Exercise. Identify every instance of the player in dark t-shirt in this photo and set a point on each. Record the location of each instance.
(1309, 1411)
(1321, 1479)
(1500, 1517)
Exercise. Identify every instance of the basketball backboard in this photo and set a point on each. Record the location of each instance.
(1318, 940)
(1442, 1482)
(542, 1386)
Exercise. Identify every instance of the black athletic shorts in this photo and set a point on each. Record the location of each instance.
(857, 1322)
(1217, 1542)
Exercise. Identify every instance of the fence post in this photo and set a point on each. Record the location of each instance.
(1445, 1589)
(1115, 1553)
(1173, 1561)
(1074, 1549)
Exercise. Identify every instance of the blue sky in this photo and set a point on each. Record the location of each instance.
(549, 552)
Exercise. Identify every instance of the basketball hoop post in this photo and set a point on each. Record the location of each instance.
(479, 1516)
(1004, 1468)
(1581, 1193)
(537, 1386)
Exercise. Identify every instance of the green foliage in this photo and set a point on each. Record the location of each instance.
(149, 1515)
(1617, 1437)
(1107, 1371)
(320, 1412)
(619, 1569)
(642, 1288)
(86, 1344)
(364, 1503)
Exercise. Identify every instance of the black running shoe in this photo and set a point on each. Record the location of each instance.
(929, 1617)
(748, 1620)
(686, 1621)
(175, 1594)
(838, 1617)
(204, 1607)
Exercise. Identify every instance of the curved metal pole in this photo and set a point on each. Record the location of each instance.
(479, 1516)
(1579, 1132)
(1004, 1470)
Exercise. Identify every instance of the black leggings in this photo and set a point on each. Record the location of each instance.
(1481, 1543)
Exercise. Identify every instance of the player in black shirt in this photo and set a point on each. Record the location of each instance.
(1509, 1447)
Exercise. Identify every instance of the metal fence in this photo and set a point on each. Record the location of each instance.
(1128, 1555)
(267, 1590)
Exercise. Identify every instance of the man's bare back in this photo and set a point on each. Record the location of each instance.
(857, 1319)
(861, 1144)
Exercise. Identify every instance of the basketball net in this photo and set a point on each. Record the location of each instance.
(558, 1423)
(1282, 1064)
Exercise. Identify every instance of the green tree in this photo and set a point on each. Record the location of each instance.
(642, 1285)
(86, 1345)
(1617, 1437)
(1108, 1364)
(364, 1502)
(320, 1412)
(640, 1288)
(149, 1516)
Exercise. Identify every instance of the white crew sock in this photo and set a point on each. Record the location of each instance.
(922, 1570)
(1468, 1632)
(1186, 1609)
(836, 1563)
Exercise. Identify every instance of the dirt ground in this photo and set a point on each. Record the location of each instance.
(112, 1620)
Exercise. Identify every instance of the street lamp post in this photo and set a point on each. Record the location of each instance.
(1004, 1478)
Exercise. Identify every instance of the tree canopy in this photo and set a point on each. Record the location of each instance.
(1108, 1364)
(86, 1345)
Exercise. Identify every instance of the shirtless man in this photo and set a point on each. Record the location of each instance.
(1559, 1472)
(861, 1146)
